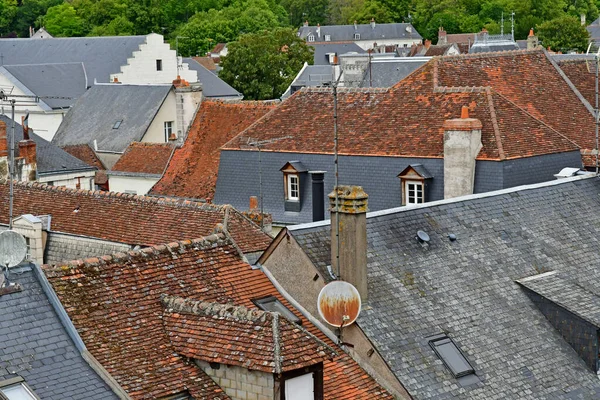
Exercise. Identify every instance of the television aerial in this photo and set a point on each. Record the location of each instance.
(339, 304)
(13, 250)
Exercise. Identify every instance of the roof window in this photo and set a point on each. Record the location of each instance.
(357, 36)
(451, 355)
(311, 38)
(16, 389)
(117, 124)
(271, 304)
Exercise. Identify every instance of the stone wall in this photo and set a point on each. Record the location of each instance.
(240, 383)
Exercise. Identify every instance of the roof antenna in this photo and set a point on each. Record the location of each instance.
(512, 26)
(502, 25)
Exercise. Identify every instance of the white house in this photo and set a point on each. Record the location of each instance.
(59, 70)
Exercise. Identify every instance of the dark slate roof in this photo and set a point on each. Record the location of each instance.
(36, 346)
(421, 170)
(570, 294)
(384, 74)
(346, 32)
(314, 75)
(101, 56)
(212, 85)
(62, 80)
(51, 159)
(492, 46)
(321, 57)
(95, 113)
(594, 31)
(467, 288)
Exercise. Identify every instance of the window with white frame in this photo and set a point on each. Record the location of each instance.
(357, 36)
(168, 130)
(16, 389)
(328, 38)
(293, 187)
(413, 190)
(311, 38)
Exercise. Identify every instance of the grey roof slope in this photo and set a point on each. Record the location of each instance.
(212, 85)
(321, 57)
(346, 32)
(50, 158)
(101, 56)
(62, 80)
(314, 75)
(95, 113)
(36, 346)
(467, 288)
(385, 74)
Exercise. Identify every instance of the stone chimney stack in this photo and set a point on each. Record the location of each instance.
(188, 98)
(306, 23)
(532, 41)
(352, 212)
(442, 38)
(372, 23)
(462, 143)
(427, 44)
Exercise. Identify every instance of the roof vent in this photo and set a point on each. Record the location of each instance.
(452, 237)
(422, 237)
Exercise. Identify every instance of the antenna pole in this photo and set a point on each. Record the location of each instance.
(512, 25)
(597, 121)
(11, 166)
(502, 25)
(337, 175)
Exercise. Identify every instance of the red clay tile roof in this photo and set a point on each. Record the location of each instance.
(131, 219)
(114, 302)
(407, 120)
(85, 153)
(460, 37)
(192, 172)
(145, 158)
(206, 62)
(582, 73)
(437, 50)
(235, 335)
(218, 47)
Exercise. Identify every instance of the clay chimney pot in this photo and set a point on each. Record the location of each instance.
(464, 112)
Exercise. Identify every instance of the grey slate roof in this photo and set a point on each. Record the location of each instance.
(101, 56)
(384, 74)
(95, 113)
(493, 46)
(212, 85)
(346, 32)
(51, 159)
(62, 80)
(321, 57)
(35, 345)
(467, 288)
(312, 76)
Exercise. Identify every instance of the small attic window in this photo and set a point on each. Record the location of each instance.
(328, 38)
(451, 355)
(117, 124)
(357, 36)
(272, 304)
(311, 38)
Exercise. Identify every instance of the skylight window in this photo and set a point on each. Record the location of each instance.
(271, 304)
(16, 389)
(117, 124)
(451, 355)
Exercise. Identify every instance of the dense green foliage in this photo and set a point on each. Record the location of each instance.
(262, 65)
(564, 34)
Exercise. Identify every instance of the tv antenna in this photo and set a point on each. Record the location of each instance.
(339, 304)
(13, 250)
(259, 144)
(502, 25)
(512, 25)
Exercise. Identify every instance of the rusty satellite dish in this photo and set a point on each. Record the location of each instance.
(339, 303)
(13, 248)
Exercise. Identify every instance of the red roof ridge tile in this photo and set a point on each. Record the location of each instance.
(497, 134)
(204, 308)
(495, 54)
(244, 103)
(342, 89)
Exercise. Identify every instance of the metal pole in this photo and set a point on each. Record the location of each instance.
(596, 127)
(11, 167)
(262, 214)
(335, 163)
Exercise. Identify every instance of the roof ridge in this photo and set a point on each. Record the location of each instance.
(206, 242)
(243, 103)
(212, 309)
(494, 54)
(497, 134)
(342, 89)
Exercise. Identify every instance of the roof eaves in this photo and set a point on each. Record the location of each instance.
(23, 88)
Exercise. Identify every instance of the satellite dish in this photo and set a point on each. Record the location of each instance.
(339, 303)
(13, 248)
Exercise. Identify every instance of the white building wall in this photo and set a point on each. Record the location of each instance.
(71, 180)
(168, 112)
(141, 67)
(131, 184)
(368, 44)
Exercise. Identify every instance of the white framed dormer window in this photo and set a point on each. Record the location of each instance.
(294, 173)
(311, 38)
(328, 38)
(293, 187)
(413, 191)
(414, 180)
(357, 36)
(168, 130)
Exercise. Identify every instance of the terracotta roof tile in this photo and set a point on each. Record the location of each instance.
(131, 219)
(462, 38)
(582, 73)
(115, 304)
(192, 172)
(206, 62)
(407, 120)
(145, 158)
(85, 153)
(256, 339)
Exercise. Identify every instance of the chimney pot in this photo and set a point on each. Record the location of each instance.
(464, 112)
(253, 203)
(531, 32)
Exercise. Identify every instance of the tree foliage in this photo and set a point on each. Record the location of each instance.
(262, 65)
(564, 34)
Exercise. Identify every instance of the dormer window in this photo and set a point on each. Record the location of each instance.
(357, 36)
(328, 38)
(311, 38)
(414, 181)
(293, 187)
(294, 174)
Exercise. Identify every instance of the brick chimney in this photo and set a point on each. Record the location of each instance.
(442, 38)
(3, 140)
(352, 211)
(254, 214)
(462, 143)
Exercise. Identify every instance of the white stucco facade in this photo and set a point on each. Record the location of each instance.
(134, 184)
(368, 44)
(154, 62)
(74, 180)
(166, 113)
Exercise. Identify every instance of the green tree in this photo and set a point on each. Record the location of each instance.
(313, 11)
(563, 34)
(262, 65)
(62, 20)
(8, 11)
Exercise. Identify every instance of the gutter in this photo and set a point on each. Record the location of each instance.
(72, 332)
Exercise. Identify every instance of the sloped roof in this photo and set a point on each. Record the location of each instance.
(581, 71)
(94, 115)
(314, 75)
(257, 340)
(51, 159)
(385, 74)
(131, 219)
(145, 158)
(37, 347)
(212, 85)
(467, 38)
(366, 31)
(369, 123)
(207, 62)
(192, 172)
(133, 345)
(68, 80)
(101, 56)
(322, 50)
(466, 288)
(85, 153)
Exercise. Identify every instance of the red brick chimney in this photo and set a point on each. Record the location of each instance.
(265, 220)
(3, 140)
(180, 82)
